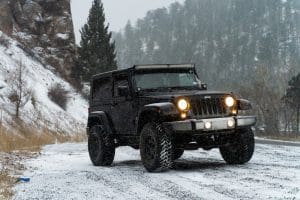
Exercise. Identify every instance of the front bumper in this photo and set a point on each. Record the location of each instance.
(216, 124)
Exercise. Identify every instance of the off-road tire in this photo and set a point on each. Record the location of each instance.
(100, 146)
(241, 150)
(177, 153)
(156, 148)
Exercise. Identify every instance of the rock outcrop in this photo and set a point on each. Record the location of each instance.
(44, 27)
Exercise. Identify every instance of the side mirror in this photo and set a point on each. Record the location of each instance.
(203, 86)
(244, 104)
(123, 91)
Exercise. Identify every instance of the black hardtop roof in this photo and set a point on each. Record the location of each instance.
(109, 73)
(145, 67)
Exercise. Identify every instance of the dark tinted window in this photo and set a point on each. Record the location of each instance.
(120, 81)
(102, 89)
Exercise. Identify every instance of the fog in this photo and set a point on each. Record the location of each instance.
(117, 12)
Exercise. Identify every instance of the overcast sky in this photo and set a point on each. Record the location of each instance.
(117, 12)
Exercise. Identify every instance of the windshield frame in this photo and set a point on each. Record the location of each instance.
(153, 71)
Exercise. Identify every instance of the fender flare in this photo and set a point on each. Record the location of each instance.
(158, 110)
(100, 118)
(244, 104)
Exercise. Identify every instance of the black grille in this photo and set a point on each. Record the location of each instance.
(208, 107)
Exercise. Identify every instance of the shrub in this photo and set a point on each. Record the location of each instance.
(4, 41)
(59, 95)
(13, 97)
(33, 100)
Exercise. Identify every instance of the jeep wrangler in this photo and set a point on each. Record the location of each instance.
(163, 110)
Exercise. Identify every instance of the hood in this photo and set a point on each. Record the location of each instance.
(178, 93)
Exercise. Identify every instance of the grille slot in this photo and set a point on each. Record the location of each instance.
(209, 107)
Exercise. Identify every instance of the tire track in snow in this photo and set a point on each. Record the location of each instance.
(152, 182)
(64, 172)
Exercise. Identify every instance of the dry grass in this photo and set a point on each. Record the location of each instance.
(31, 140)
(25, 140)
(6, 183)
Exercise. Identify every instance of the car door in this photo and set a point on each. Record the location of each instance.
(123, 105)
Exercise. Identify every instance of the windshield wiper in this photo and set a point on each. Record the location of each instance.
(160, 89)
(163, 89)
(185, 88)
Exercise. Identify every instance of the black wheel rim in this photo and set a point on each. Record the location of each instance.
(150, 148)
(94, 145)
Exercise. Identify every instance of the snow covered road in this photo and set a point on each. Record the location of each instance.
(64, 171)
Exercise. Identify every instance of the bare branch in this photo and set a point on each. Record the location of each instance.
(20, 93)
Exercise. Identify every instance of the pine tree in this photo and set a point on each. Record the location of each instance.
(223, 38)
(96, 53)
(293, 96)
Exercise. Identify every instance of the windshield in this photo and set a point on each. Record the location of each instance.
(168, 80)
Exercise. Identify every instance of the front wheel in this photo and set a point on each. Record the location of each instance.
(241, 150)
(156, 148)
(101, 149)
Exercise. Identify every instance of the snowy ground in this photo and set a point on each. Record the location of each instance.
(65, 172)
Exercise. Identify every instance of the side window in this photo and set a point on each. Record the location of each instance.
(120, 82)
(102, 89)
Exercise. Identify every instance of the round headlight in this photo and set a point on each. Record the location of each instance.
(182, 104)
(229, 101)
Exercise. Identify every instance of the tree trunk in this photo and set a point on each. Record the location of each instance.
(298, 113)
(17, 111)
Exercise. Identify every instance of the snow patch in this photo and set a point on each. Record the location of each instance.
(63, 36)
(23, 35)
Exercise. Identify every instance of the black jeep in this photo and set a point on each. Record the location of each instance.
(163, 110)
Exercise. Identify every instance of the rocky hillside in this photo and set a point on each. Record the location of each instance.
(38, 110)
(44, 27)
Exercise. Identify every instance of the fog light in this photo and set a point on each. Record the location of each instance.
(231, 123)
(183, 115)
(208, 125)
